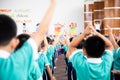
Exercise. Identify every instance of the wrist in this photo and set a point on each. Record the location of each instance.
(53, 2)
(83, 34)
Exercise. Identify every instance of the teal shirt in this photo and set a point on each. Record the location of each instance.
(116, 59)
(50, 54)
(35, 73)
(65, 47)
(42, 62)
(56, 47)
(91, 71)
(18, 65)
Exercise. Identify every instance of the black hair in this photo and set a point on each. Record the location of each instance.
(118, 43)
(49, 40)
(24, 24)
(37, 24)
(22, 38)
(94, 46)
(8, 29)
(71, 39)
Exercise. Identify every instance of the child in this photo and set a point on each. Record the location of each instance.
(116, 64)
(43, 61)
(95, 62)
(17, 66)
(35, 73)
(50, 53)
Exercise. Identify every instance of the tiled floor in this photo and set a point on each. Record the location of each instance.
(60, 71)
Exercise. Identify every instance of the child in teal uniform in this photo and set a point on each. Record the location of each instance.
(35, 73)
(17, 66)
(94, 63)
(50, 52)
(43, 61)
(116, 56)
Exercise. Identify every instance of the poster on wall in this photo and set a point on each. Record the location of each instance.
(72, 27)
(58, 28)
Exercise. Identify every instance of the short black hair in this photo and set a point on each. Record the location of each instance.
(118, 43)
(24, 24)
(37, 24)
(49, 40)
(8, 29)
(22, 38)
(95, 46)
(71, 39)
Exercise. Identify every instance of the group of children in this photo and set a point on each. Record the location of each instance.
(89, 56)
(18, 55)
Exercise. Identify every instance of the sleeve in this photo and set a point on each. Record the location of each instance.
(34, 48)
(76, 58)
(46, 60)
(37, 74)
(108, 57)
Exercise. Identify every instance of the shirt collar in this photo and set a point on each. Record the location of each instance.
(4, 54)
(94, 60)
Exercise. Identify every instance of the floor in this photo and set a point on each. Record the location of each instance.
(60, 71)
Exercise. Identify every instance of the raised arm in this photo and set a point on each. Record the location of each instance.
(75, 42)
(112, 39)
(46, 44)
(107, 42)
(39, 36)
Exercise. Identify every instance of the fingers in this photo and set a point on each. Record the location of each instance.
(116, 71)
(108, 28)
(89, 29)
(53, 1)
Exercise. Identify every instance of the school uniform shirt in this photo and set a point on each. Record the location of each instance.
(116, 56)
(65, 47)
(42, 62)
(56, 47)
(92, 68)
(35, 73)
(17, 65)
(50, 54)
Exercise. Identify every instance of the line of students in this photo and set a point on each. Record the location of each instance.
(19, 62)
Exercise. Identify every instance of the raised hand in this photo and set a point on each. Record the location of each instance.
(89, 29)
(53, 1)
(109, 29)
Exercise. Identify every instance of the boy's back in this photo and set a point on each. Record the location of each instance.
(90, 68)
(95, 62)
